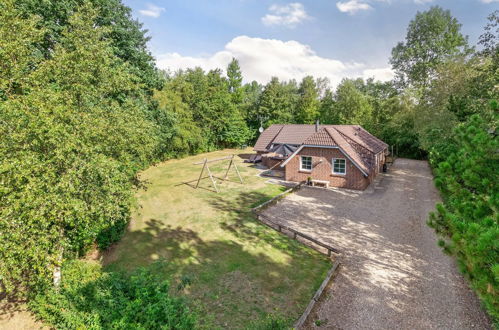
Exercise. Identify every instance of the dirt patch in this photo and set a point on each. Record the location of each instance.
(393, 274)
(14, 315)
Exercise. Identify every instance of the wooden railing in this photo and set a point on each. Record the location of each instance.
(295, 234)
(279, 227)
(276, 198)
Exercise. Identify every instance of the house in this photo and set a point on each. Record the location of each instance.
(344, 156)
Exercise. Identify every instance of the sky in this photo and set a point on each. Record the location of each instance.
(291, 39)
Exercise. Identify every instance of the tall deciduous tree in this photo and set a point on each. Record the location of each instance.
(127, 37)
(432, 37)
(352, 105)
(327, 110)
(278, 102)
(307, 111)
(70, 145)
(235, 82)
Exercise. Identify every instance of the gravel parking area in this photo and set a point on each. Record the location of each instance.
(393, 274)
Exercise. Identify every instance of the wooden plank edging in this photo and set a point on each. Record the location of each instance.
(317, 295)
(276, 198)
(297, 233)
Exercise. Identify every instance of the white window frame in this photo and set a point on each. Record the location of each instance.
(301, 164)
(332, 166)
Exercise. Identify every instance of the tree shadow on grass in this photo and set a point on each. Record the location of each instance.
(230, 285)
(243, 223)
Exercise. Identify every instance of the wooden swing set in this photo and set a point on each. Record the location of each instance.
(205, 162)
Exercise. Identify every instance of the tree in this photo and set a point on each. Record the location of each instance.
(180, 133)
(468, 220)
(126, 35)
(489, 40)
(352, 106)
(235, 82)
(432, 37)
(327, 109)
(252, 93)
(18, 55)
(70, 145)
(278, 102)
(307, 111)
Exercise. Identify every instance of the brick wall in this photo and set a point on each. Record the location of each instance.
(322, 169)
(272, 163)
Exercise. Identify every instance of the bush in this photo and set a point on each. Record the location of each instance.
(89, 298)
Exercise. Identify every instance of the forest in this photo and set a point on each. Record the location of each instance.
(83, 108)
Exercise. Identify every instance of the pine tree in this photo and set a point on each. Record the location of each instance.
(468, 220)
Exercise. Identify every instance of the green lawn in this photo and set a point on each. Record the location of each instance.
(239, 269)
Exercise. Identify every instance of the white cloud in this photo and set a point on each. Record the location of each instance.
(286, 15)
(352, 6)
(152, 10)
(261, 59)
(489, 1)
(422, 2)
(383, 74)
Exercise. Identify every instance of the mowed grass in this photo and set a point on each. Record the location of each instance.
(239, 270)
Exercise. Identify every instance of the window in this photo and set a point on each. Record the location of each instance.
(306, 163)
(339, 166)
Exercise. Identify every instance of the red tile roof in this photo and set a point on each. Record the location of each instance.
(266, 138)
(350, 150)
(294, 134)
(353, 140)
(321, 138)
(362, 137)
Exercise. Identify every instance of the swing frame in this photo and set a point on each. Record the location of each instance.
(205, 163)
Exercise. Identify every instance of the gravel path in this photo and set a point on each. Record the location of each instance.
(393, 274)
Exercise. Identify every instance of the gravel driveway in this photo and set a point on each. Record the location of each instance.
(393, 274)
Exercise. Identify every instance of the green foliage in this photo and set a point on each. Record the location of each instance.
(179, 132)
(126, 36)
(235, 81)
(432, 37)
(270, 322)
(83, 108)
(211, 106)
(91, 299)
(307, 111)
(353, 106)
(71, 142)
(469, 217)
(277, 103)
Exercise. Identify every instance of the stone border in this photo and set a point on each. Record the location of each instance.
(317, 295)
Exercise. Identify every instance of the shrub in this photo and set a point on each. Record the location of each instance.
(89, 298)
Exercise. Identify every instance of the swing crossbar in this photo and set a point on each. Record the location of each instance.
(213, 160)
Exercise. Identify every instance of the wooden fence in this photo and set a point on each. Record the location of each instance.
(310, 241)
(296, 234)
(282, 228)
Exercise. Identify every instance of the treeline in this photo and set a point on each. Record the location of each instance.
(441, 106)
(83, 108)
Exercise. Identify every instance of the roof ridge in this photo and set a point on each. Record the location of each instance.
(351, 153)
(277, 134)
(327, 131)
(347, 138)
